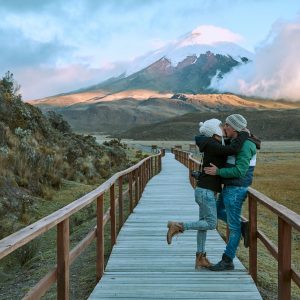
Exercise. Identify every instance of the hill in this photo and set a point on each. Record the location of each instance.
(267, 124)
(115, 112)
(38, 152)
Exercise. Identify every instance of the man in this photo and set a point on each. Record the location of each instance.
(237, 177)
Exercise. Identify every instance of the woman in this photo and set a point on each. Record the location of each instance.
(210, 143)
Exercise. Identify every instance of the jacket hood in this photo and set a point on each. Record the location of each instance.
(201, 141)
(254, 139)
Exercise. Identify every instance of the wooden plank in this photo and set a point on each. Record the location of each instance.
(42, 286)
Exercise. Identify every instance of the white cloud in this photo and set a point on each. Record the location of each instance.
(209, 34)
(46, 81)
(275, 71)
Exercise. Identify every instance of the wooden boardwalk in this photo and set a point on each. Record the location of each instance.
(143, 266)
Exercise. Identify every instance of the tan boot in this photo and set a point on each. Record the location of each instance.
(174, 228)
(202, 261)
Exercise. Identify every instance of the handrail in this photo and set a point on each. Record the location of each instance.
(287, 219)
(137, 175)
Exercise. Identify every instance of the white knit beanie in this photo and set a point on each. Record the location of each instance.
(210, 127)
(237, 122)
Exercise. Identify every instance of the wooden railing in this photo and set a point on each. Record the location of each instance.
(287, 220)
(137, 177)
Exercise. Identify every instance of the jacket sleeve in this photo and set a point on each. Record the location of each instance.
(234, 147)
(242, 163)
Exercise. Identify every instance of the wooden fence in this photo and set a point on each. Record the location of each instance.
(137, 177)
(287, 219)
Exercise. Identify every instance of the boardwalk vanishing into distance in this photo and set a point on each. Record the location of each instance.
(143, 266)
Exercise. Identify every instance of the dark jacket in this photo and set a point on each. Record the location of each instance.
(216, 154)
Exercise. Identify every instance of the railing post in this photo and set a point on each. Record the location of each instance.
(136, 188)
(130, 192)
(151, 167)
(140, 182)
(194, 179)
(148, 170)
(100, 238)
(144, 174)
(159, 163)
(113, 215)
(284, 260)
(120, 200)
(190, 169)
(63, 264)
(252, 209)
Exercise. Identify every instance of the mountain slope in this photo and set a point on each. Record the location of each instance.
(268, 125)
(118, 112)
(192, 74)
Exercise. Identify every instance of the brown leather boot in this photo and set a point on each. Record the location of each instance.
(174, 228)
(202, 261)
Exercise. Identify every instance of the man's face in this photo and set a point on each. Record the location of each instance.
(229, 131)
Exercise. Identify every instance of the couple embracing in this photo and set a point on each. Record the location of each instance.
(227, 172)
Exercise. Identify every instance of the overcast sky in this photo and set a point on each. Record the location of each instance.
(55, 46)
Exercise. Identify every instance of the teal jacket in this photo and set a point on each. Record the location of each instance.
(240, 168)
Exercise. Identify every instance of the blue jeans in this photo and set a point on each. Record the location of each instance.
(207, 216)
(229, 208)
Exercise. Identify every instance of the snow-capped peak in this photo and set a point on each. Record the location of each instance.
(208, 35)
(202, 39)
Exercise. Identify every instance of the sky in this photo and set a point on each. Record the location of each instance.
(54, 46)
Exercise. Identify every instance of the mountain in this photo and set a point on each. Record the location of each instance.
(193, 74)
(268, 125)
(171, 81)
(183, 65)
(116, 112)
(194, 43)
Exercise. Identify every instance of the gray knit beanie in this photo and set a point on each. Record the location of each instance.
(237, 122)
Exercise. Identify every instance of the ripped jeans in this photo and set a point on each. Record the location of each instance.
(206, 200)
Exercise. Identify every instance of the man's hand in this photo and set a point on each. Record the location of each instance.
(211, 170)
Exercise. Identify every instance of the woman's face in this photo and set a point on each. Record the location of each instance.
(223, 131)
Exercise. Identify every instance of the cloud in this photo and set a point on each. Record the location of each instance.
(209, 34)
(45, 81)
(275, 71)
(19, 51)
